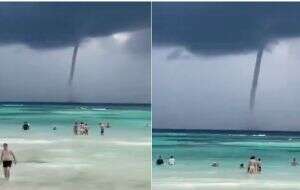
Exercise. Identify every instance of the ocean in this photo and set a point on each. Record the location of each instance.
(196, 150)
(59, 160)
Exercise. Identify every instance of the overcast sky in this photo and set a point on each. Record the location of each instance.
(113, 61)
(203, 61)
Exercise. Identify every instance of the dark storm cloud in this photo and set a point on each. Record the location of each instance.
(219, 28)
(47, 25)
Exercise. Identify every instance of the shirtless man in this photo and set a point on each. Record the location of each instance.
(7, 157)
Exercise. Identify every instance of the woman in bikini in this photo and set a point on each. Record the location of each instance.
(252, 165)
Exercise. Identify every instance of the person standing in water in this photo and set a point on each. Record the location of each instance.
(7, 157)
(75, 128)
(215, 164)
(294, 162)
(86, 129)
(26, 126)
(259, 165)
(171, 161)
(101, 128)
(252, 165)
(159, 161)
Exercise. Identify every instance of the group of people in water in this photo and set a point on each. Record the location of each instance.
(79, 128)
(254, 164)
(83, 129)
(8, 157)
(170, 161)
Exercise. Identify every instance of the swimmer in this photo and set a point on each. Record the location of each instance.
(242, 166)
(54, 128)
(7, 157)
(294, 162)
(171, 161)
(159, 161)
(215, 164)
(26, 126)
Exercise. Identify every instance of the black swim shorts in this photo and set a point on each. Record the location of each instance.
(7, 164)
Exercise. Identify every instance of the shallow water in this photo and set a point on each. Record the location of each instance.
(58, 160)
(195, 151)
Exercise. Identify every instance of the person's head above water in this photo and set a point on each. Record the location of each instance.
(259, 159)
(294, 159)
(252, 157)
(171, 156)
(5, 145)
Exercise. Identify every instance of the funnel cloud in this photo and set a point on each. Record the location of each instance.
(204, 54)
(73, 63)
(255, 77)
(40, 42)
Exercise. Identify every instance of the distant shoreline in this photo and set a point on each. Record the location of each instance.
(224, 131)
(76, 103)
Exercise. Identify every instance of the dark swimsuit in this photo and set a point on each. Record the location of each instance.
(25, 127)
(7, 163)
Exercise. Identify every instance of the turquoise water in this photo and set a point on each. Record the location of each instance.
(44, 117)
(196, 150)
(54, 160)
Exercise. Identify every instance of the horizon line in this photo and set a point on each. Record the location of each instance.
(68, 102)
(232, 130)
